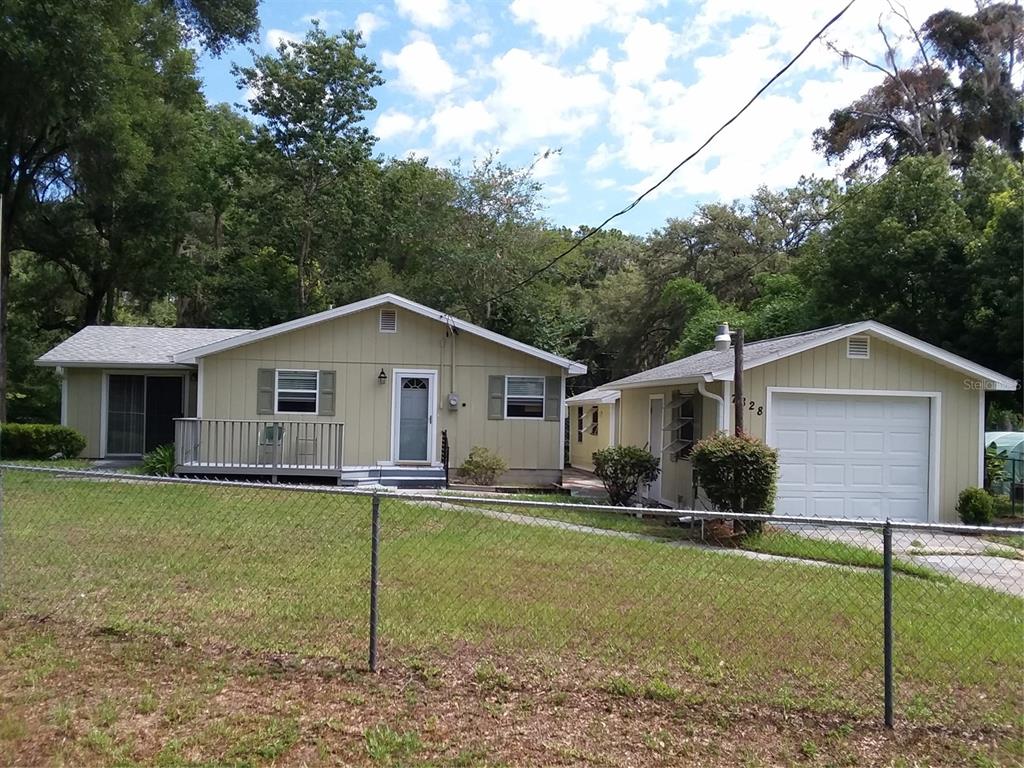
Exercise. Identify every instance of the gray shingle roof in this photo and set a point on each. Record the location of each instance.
(596, 395)
(131, 345)
(710, 360)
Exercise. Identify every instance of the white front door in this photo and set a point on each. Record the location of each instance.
(414, 416)
(655, 428)
(854, 456)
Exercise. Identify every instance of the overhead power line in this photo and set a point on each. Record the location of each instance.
(590, 233)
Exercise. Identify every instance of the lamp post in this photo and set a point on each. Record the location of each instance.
(724, 338)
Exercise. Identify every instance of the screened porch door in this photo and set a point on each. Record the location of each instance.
(141, 411)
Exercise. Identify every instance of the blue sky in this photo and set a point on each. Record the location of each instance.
(624, 88)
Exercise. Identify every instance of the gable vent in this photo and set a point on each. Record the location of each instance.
(858, 347)
(388, 321)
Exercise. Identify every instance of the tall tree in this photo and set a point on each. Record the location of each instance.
(960, 84)
(312, 97)
(62, 65)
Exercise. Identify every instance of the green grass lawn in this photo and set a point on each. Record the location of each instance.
(277, 570)
(788, 544)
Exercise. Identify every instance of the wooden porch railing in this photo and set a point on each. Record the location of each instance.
(258, 444)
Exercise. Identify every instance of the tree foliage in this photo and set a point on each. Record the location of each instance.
(127, 198)
(960, 84)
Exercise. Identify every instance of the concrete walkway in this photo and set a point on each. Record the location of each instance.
(965, 558)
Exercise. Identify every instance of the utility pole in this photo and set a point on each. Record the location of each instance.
(724, 338)
(737, 379)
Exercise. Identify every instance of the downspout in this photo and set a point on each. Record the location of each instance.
(719, 404)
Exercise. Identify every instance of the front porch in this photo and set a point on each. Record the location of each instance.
(276, 448)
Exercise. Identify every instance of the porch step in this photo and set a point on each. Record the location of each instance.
(393, 477)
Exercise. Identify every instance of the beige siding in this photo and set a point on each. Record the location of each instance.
(827, 367)
(895, 369)
(354, 348)
(676, 474)
(581, 451)
(85, 393)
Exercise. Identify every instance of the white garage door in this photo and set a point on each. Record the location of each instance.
(852, 456)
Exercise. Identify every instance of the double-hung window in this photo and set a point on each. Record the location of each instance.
(296, 391)
(593, 419)
(579, 424)
(524, 397)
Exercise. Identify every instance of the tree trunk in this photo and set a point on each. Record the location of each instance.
(307, 236)
(5, 281)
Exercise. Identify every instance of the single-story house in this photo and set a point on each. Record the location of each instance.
(593, 425)
(869, 422)
(373, 391)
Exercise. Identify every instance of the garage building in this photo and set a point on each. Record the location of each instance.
(869, 422)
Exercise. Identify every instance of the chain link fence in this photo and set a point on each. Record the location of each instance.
(806, 613)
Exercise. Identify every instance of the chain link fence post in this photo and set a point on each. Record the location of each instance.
(374, 575)
(887, 620)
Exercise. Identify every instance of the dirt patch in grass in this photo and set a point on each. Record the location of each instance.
(74, 697)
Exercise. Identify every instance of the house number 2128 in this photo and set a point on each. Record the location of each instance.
(750, 405)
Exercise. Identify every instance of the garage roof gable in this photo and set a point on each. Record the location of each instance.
(713, 365)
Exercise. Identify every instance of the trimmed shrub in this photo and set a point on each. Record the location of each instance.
(622, 469)
(738, 475)
(975, 506)
(159, 461)
(482, 466)
(39, 441)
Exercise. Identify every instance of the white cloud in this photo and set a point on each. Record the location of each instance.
(647, 48)
(601, 158)
(605, 183)
(394, 123)
(460, 124)
(426, 13)
(277, 36)
(599, 60)
(421, 69)
(367, 23)
(535, 100)
(548, 163)
(566, 22)
(330, 19)
(557, 194)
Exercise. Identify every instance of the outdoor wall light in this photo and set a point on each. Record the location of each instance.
(382, 377)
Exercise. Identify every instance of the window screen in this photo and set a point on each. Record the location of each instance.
(296, 391)
(524, 397)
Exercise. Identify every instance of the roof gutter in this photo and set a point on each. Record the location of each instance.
(120, 364)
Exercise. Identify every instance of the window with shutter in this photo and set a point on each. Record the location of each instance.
(297, 391)
(593, 419)
(524, 397)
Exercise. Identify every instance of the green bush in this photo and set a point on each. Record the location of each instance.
(975, 506)
(622, 469)
(737, 474)
(1003, 506)
(482, 466)
(39, 441)
(159, 461)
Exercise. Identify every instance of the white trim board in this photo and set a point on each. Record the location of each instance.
(934, 426)
(661, 449)
(396, 376)
(190, 356)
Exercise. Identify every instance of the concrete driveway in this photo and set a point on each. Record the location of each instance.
(966, 558)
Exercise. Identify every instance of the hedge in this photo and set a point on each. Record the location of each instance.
(39, 441)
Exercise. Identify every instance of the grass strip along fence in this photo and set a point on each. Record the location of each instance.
(287, 569)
